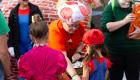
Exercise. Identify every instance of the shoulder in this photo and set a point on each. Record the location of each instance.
(14, 10)
(108, 63)
(33, 5)
(34, 8)
(55, 54)
(108, 7)
(53, 51)
(56, 26)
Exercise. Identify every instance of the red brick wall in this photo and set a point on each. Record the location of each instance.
(48, 8)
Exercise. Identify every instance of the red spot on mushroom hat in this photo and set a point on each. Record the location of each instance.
(73, 9)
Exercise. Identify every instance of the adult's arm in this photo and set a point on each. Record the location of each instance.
(70, 70)
(4, 56)
(107, 21)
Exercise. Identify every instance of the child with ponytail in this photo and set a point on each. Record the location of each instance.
(95, 65)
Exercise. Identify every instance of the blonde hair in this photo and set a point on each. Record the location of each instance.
(36, 18)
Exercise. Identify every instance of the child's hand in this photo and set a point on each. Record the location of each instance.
(76, 77)
(84, 63)
(85, 75)
(76, 57)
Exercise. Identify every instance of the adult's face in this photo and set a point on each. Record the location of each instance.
(70, 26)
(23, 2)
(124, 3)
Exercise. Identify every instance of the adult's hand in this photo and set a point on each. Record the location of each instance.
(129, 18)
(135, 34)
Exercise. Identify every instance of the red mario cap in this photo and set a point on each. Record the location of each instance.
(93, 36)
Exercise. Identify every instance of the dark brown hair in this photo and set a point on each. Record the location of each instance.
(39, 30)
(104, 52)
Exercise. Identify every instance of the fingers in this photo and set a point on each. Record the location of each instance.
(130, 17)
(135, 34)
(132, 37)
(131, 34)
(76, 57)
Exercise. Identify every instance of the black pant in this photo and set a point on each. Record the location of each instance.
(130, 64)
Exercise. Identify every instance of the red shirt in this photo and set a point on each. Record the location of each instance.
(59, 39)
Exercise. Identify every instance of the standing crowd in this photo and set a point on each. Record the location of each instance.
(47, 52)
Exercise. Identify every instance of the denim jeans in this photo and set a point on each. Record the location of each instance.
(1, 72)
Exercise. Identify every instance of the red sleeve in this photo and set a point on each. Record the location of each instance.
(109, 64)
(91, 66)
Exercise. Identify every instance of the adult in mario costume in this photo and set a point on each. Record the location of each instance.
(65, 34)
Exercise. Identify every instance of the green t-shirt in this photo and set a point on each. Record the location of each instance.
(4, 29)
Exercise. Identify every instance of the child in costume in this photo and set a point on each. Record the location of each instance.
(41, 62)
(95, 65)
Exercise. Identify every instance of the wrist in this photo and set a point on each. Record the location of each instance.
(10, 77)
(124, 21)
(75, 77)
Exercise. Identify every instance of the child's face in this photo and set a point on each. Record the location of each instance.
(89, 49)
(124, 3)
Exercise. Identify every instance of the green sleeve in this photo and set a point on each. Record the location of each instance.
(4, 29)
(107, 16)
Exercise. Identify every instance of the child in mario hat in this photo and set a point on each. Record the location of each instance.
(95, 65)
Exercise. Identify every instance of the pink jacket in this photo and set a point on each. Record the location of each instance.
(42, 63)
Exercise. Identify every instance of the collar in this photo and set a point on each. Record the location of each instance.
(38, 45)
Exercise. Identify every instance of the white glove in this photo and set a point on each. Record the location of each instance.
(11, 51)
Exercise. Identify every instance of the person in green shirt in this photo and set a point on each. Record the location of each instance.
(124, 49)
(5, 70)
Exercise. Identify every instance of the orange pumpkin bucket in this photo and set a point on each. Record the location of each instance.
(136, 22)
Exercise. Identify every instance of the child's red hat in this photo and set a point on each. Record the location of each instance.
(93, 37)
